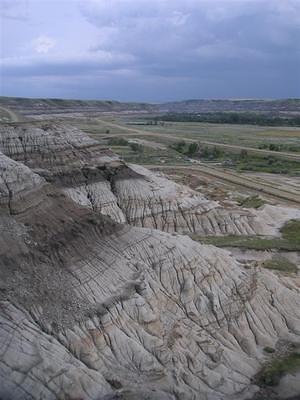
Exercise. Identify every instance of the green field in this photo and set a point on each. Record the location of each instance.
(243, 135)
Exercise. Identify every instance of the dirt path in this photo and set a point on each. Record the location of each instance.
(236, 179)
(250, 150)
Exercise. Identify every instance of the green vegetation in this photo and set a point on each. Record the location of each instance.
(242, 161)
(186, 149)
(117, 142)
(268, 164)
(279, 147)
(248, 242)
(196, 149)
(280, 264)
(269, 350)
(252, 202)
(271, 374)
(249, 118)
(192, 149)
(257, 163)
(140, 154)
(179, 146)
(286, 139)
(137, 148)
(290, 240)
(210, 153)
(291, 231)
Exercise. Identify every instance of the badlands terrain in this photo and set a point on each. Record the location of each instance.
(118, 282)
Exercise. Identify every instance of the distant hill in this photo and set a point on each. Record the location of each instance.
(253, 105)
(28, 106)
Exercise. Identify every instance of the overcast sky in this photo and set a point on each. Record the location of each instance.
(150, 50)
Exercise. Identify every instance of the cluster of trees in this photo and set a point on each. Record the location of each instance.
(279, 147)
(184, 148)
(242, 161)
(192, 149)
(251, 118)
(137, 148)
(270, 146)
(155, 122)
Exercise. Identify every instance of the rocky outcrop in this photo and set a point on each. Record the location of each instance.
(18, 185)
(95, 308)
(44, 145)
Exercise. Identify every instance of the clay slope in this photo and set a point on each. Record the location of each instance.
(150, 200)
(91, 308)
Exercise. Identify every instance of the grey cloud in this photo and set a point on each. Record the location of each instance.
(168, 49)
(251, 30)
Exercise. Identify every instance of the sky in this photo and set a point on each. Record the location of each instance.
(150, 50)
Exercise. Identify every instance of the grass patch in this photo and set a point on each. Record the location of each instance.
(290, 240)
(291, 231)
(271, 374)
(252, 202)
(253, 136)
(269, 164)
(280, 264)
(247, 242)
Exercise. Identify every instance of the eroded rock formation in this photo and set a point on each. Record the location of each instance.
(96, 304)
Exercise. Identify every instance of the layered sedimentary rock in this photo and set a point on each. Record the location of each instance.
(66, 157)
(92, 308)
(150, 200)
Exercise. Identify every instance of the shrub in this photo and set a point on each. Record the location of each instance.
(137, 148)
(269, 350)
(118, 142)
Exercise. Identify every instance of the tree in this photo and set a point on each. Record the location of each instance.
(193, 147)
(274, 147)
(243, 153)
(137, 148)
(216, 153)
(179, 146)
